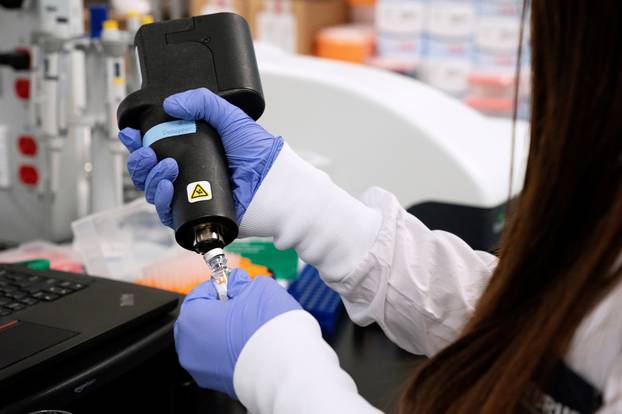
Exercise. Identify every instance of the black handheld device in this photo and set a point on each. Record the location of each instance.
(216, 52)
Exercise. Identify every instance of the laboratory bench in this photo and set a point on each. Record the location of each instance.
(139, 373)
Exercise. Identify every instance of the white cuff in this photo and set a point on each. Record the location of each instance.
(286, 367)
(301, 207)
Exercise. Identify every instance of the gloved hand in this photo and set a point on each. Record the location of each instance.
(249, 148)
(210, 334)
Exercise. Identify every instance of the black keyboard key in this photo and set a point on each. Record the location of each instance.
(8, 289)
(58, 290)
(71, 285)
(29, 301)
(16, 295)
(15, 306)
(4, 301)
(5, 311)
(47, 297)
(34, 288)
(15, 276)
(34, 278)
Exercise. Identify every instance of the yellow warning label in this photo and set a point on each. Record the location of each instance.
(199, 191)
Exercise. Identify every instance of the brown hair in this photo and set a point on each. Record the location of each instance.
(559, 253)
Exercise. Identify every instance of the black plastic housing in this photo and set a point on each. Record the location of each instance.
(11, 4)
(215, 52)
(18, 59)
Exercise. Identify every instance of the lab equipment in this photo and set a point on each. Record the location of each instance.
(318, 299)
(223, 328)
(215, 52)
(60, 158)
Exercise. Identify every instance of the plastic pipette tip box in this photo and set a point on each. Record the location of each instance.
(318, 299)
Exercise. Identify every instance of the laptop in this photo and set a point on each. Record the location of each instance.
(48, 316)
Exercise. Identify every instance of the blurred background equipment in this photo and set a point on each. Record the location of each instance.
(60, 85)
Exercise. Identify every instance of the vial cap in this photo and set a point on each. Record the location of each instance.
(213, 253)
(111, 25)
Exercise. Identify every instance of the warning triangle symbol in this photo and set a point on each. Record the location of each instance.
(198, 192)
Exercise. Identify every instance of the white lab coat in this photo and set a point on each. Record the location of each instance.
(420, 286)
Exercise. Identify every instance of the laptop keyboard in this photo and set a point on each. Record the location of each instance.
(19, 290)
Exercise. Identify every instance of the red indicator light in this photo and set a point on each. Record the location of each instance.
(22, 88)
(27, 145)
(28, 175)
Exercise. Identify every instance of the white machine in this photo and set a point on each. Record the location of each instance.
(447, 164)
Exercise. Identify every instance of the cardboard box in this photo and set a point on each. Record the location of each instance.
(293, 24)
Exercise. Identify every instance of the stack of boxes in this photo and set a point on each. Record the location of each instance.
(466, 48)
(497, 35)
(449, 38)
(400, 26)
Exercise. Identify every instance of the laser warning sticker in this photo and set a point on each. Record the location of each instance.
(199, 191)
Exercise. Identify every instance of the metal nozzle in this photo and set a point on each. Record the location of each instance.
(207, 237)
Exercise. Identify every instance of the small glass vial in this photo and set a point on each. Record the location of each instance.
(217, 262)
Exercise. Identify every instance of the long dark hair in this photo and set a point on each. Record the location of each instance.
(559, 254)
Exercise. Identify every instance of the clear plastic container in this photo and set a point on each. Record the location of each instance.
(119, 243)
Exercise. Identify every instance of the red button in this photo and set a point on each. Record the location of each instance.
(28, 175)
(27, 145)
(22, 88)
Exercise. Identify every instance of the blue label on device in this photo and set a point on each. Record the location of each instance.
(168, 129)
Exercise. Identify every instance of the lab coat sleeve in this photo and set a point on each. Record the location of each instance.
(286, 367)
(419, 285)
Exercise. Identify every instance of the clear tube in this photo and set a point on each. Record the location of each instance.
(217, 262)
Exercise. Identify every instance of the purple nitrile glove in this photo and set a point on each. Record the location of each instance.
(249, 148)
(210, 333)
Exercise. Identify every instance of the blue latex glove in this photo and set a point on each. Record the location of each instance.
(210, 333)
(249, 148)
